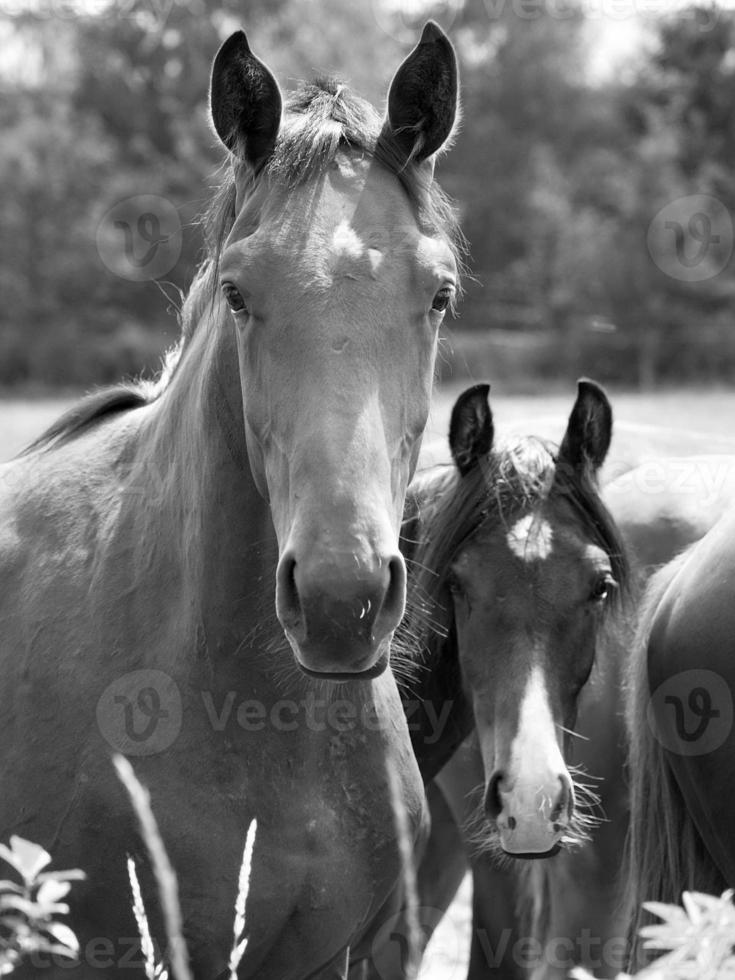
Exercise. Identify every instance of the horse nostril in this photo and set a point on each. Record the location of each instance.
(565, 801)
(493, 802)
(288, 604)
(395, 596)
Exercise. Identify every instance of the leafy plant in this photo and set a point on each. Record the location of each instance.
(698, 940)
(29, 909)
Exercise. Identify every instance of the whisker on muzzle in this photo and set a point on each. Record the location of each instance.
(481, 834)
(584, 820)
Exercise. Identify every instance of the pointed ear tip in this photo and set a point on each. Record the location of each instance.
(480, 391)
(235, 41)
(588, 386)
(432, 32)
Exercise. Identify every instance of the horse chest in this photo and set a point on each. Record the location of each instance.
(326, 855)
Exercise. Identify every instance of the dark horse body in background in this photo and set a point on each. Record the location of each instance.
(514, 562)
(680, 727)
(141, 538)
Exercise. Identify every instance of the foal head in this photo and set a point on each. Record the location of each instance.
(532, 563)
(338, 264)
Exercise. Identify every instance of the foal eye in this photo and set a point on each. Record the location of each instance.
(234, 298)
(442, 299)
(602, 588)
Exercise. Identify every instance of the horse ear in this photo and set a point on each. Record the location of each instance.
(245, 101)
(422, 99)
(471, 428)
(589, 430)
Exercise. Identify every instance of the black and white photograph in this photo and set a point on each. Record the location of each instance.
(367, 489)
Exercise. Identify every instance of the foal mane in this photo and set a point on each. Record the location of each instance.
(321, 119)
(511, 479)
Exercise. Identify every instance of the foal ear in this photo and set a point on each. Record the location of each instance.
(589, 429)
(245, 101)
(471, 428)
(422, 99)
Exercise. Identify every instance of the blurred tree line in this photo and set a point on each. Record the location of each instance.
(599, 213)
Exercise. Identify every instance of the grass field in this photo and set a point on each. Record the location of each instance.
(697, 422)
(710, 413)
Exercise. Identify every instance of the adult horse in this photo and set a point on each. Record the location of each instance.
(142, 534)
(515, 563)
(680, 727)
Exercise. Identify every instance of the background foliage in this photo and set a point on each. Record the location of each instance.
(557, 174)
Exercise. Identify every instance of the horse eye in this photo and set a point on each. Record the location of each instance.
(602, 588)
(234, 298)
(442, 299)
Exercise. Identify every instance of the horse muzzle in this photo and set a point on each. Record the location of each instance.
(339, 617)
(531, 818)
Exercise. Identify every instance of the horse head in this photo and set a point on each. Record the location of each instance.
(530, 580)
(337, 266)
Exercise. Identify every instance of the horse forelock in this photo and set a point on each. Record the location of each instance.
(452, 508)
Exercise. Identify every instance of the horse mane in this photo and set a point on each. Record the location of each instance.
(508, 480)
(664, 853)
(321, 119)
(91, 409)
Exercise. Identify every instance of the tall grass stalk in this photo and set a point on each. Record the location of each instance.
(168, 889)
(152, 971)
(243, 889)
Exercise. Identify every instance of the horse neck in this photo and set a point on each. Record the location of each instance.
(219, 527)
(439, 713)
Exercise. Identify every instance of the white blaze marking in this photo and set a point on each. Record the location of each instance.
(531, 538)
(376, 260)
(536, 761)
(346, 242)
